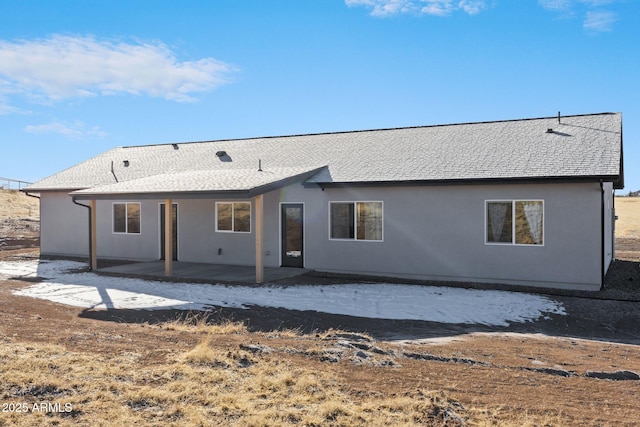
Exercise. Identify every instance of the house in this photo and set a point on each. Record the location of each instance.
(521, 202)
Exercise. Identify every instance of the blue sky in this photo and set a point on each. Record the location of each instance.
(80, 77)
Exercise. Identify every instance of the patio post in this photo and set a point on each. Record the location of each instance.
(259, 239)
(168, 241)
(93, 238)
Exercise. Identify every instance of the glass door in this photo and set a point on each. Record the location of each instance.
(292, 235)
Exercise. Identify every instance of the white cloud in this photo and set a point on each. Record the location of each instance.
(385, 7)
(472, 7)
(557, 5)
(61, 67)
(596, 18)
(595, 3)
(438, 7)
(7, 109)
(599, 21)
(423, 7)
(75, 130)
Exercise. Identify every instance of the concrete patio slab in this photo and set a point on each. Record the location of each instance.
(205, 272)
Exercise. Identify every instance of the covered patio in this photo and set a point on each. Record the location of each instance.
(218, 184)
(201, 271)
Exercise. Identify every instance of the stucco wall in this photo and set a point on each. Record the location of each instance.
(439, 233)
(609, 218)
(143, 246)
(64, 226)
(435, 232)
(199, 241)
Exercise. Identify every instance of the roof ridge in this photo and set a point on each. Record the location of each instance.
(363, 130)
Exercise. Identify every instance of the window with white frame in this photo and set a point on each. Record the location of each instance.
(233, 217)
(126, 218)
(516, 222)
(355, 221)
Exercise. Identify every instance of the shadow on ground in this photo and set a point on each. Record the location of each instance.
(612, 321)
(612, 314)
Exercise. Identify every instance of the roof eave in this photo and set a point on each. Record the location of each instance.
(163, 195)
(51, 190)
(615, 179)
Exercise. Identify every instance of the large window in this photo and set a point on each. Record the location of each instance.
(355, 220)
(126, 218)
(233, 217)
(516, 222)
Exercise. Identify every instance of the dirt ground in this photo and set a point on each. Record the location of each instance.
(578, 369)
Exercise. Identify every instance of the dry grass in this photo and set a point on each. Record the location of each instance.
(224, 375)
(206, 323)
(628, 212)
(203, 386)
(14, 204)
(202, 323)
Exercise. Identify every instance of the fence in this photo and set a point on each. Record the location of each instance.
(12, 184)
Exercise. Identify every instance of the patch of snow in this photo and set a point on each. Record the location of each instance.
(379, 300)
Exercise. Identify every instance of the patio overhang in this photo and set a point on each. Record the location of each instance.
(201, 184)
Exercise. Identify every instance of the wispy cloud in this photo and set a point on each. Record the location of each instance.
(5, 108)
(596, 17)
(422, 7)
(75, 130)
(61, 67)
(599, 21)
(385, 7)
(557, 5)
(472, 7)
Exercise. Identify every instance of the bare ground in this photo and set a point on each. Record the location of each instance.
(579, 369)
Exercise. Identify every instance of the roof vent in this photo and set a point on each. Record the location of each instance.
(175, 146)
(126, 163)
(221, 153)
(549, 130)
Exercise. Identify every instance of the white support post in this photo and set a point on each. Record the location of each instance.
(168, 238)
(259, 239)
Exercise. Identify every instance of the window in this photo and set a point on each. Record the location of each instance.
(126, 218)
(517, 222)
(355, 220)
(342, 223)
(233, 217)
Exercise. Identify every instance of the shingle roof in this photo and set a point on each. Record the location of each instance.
(249, 181)
(579, 147)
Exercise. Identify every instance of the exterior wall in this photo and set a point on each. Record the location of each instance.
(137, 247)
(429, 233)
(198, 240)
(609, 218)
(64, 226)
(438, 233)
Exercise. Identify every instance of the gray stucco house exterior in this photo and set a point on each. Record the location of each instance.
(521, 202)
